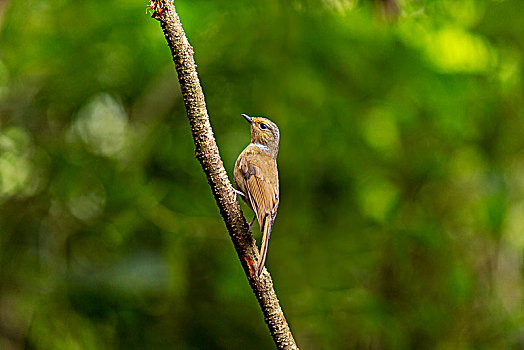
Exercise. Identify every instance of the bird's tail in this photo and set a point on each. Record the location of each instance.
(266, 232)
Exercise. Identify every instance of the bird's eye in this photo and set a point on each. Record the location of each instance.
(263, 126)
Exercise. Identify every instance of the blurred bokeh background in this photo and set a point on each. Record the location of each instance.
(401, 167)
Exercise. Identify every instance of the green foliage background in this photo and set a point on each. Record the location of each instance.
(401, 165)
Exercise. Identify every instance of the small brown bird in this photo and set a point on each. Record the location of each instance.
(256, 178)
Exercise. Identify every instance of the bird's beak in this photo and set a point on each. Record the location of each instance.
(248, 118)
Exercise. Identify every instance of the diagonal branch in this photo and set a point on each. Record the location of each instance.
(206, 151)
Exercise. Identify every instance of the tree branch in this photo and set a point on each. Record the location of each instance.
(206, 151)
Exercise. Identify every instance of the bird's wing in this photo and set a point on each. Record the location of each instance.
(260, 177)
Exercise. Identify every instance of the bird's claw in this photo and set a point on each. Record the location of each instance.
(237, 193)
(240, 193)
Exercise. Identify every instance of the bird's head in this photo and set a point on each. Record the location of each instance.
(264, 132)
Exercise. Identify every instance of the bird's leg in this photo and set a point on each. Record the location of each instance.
(240, 193)
(251, 224)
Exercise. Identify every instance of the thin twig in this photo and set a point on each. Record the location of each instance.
(206, 151)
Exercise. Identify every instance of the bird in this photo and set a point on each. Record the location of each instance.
(256, 178)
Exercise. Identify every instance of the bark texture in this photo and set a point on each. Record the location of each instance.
(206, 151)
